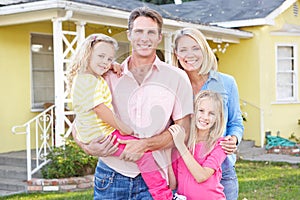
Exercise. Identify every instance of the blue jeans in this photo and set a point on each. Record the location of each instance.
(230, 182)
(110, 185)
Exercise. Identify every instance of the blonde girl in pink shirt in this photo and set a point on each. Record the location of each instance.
(197, 165)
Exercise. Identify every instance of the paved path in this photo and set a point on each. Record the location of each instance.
(247, 151)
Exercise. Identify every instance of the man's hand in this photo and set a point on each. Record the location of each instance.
(229, 144)
(133, 150)
(97, 148)
(117, 68)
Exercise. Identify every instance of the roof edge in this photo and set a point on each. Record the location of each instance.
(268, 20)
(117, 13)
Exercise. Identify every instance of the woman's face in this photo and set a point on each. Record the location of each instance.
(189, 53)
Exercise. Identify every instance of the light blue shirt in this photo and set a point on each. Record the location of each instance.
(226, 86)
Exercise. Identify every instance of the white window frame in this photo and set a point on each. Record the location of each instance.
(35, 106)
(294, 72)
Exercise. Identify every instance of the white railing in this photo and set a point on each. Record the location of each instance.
(42, 128)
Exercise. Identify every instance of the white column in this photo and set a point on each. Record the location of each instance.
(59, 81)
(80, 31)
(168, 47)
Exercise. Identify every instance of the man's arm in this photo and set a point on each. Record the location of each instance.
(136, 148)
(97, 148)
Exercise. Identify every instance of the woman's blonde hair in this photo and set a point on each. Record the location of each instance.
(217, 130)
(80, 59)
(209, 58)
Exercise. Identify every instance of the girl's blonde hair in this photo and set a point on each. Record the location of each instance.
(217, 130)
(209, 58)
(80, 59)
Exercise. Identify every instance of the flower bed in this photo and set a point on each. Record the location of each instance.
(63, 184)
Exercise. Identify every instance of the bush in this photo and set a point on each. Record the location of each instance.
(69, 161)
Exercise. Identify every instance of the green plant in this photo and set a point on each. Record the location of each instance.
(294, 138)
(68, 161)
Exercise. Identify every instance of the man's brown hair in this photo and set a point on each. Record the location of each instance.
(145, 12)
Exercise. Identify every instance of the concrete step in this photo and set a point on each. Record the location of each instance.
(12, 185)
(13, 172)
(17, 158)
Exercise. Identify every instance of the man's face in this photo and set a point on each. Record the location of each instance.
(144, 37)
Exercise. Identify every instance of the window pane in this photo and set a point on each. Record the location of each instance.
(285, 79)
(285, 65)
(284, 92)
(286, 51)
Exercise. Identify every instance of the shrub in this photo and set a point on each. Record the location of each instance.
(69, 161)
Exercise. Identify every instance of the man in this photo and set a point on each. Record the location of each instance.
(148, 97)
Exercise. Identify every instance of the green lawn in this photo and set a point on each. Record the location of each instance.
(258, 181)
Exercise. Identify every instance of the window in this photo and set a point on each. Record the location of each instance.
(42, 71)
(286, 82)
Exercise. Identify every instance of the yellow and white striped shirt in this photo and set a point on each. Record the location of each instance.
(87, 93)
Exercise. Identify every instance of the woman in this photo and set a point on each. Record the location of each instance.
(193, 54)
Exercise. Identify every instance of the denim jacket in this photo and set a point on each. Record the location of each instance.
(226, 86)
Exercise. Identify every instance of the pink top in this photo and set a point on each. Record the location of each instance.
(165, 94)
(207, 190)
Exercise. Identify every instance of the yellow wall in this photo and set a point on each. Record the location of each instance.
(15, 81)
(252, 63)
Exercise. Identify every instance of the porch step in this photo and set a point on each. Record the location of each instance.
(13, 173)
(12, 185)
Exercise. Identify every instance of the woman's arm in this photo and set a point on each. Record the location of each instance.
(234, 125)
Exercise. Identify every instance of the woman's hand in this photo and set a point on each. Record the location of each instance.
(178, 134)
(97, 147)
(229, 144)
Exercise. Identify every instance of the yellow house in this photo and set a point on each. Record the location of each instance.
(267, 71)
(266, 67)
(38, 37)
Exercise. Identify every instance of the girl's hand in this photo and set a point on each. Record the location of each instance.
(178, 134)
(116, 68)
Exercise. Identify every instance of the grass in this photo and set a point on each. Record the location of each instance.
(257, 180)
(268, 180)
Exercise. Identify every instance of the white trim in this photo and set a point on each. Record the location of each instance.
(268, 20)
(286, 5)
(284, 102)
(244, 23)
(279, 33)
(287, 30)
